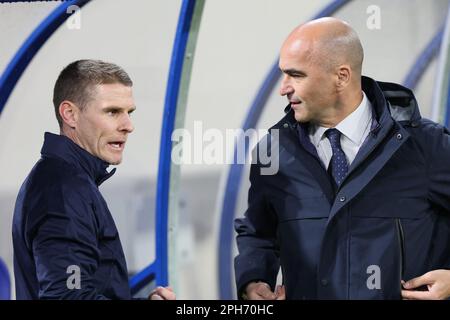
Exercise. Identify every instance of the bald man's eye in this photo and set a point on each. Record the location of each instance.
(297, 75)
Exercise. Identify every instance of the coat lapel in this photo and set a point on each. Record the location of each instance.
(383, 141)
(296, 142)
(362, 175)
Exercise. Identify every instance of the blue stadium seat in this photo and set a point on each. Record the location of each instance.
(5, 282)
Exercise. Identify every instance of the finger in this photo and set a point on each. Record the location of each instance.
(155, 296)
(281, 293)
(263, 290)
(255, 296)
(416, 295)
(170, 295)
(259, 291)
(417, 282)
(163, 293)
(166, 294)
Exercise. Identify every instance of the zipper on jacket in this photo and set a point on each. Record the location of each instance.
(401, 240)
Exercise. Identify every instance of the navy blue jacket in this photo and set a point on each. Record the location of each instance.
(388, 221)
(61, 223)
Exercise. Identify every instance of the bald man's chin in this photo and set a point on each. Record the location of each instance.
(117, 162)
(301, 116)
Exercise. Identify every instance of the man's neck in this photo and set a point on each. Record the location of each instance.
(342, 110)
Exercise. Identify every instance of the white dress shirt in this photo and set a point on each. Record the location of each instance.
(354, 130)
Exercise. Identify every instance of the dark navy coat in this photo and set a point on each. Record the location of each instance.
(388, 221)
(61, 224)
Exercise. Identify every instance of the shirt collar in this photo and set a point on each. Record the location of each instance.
(62, 147)
(353, 126)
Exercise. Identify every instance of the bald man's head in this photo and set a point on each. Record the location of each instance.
(330, 42)
(321, 63)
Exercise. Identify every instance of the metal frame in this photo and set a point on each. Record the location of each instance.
(5, 282)
(31, 46)
(423, 61)
(173, 117)
(441, 94)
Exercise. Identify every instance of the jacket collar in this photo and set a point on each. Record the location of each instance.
(59, 146)
(390, 101)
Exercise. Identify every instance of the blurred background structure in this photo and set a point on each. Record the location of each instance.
(205, 65)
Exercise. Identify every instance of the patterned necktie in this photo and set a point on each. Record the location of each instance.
(338, 163)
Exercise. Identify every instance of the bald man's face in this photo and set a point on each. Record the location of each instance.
(308, 85)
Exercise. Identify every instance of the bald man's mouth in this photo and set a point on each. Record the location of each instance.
(295, 103)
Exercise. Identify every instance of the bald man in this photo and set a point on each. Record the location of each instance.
(361, 199)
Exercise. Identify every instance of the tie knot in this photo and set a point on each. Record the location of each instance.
(333, 135)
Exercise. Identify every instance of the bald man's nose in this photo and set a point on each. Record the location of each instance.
(285, 87)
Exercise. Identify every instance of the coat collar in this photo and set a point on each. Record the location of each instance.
(59, 146)
(390, 101)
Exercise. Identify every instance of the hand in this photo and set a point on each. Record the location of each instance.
(161, 293)
(437, 282)
(262, 291)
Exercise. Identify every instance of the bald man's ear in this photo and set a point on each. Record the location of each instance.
(69, 113)
(343, 76)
